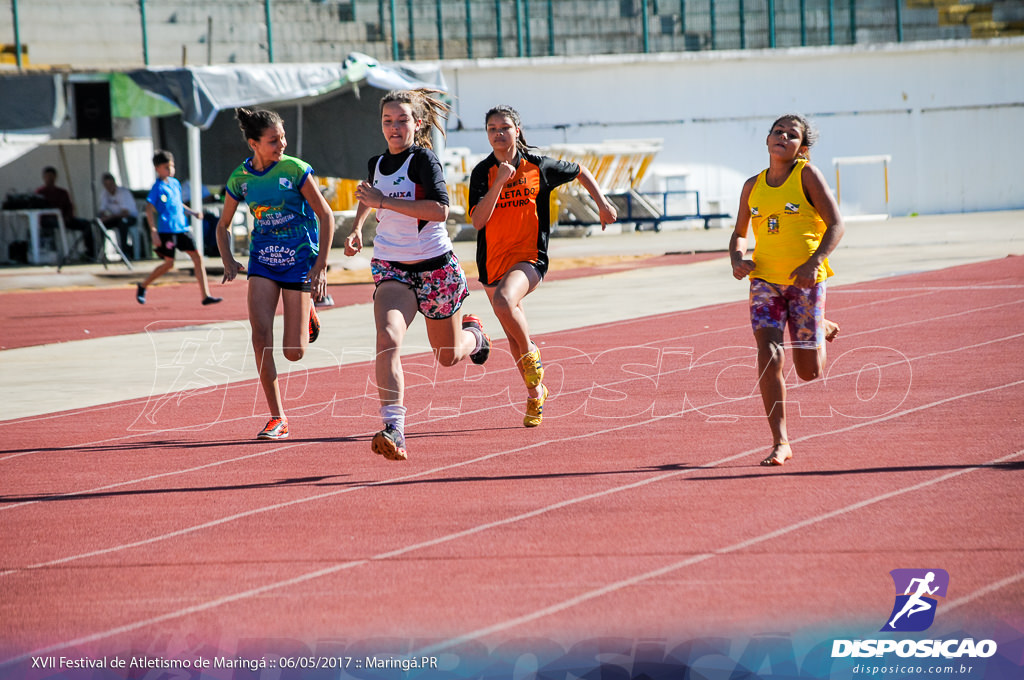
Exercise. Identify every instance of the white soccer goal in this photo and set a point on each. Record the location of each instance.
(867, 198)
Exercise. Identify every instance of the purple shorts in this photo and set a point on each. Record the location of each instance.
(802, 309)
(439, 283)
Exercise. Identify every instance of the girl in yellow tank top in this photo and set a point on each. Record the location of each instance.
(787, 228)
(796, 226)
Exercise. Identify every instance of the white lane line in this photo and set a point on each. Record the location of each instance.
(694, 559)
(248, 384)
(983, 591)
(573, 601)
(432, 471)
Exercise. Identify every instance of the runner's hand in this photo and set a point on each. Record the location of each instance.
(231, 269)
(354, 243)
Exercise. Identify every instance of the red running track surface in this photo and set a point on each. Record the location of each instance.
(637, 509)
(41, 317)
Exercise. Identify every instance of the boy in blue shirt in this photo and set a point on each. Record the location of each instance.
(169, 228)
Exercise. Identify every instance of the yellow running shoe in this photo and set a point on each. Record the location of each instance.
(531, 368)
(535, 408)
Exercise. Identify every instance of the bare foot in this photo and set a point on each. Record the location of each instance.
(831, 330)
(779, 455)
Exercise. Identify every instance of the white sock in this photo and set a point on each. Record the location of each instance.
(479, 336)
(394, 414)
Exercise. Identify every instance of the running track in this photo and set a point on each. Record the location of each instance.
(636, 511)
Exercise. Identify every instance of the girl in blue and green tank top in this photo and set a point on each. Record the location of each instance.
(292, 231)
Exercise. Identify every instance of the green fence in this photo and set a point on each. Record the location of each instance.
(527, 28)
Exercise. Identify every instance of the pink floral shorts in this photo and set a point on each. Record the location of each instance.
(802, 309)
(439, 283)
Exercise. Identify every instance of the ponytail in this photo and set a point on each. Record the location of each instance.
(253, 122)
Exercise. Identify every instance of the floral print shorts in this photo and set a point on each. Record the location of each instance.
(802, 309)
(439, 283)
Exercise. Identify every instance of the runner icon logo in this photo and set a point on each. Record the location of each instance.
(916, 591)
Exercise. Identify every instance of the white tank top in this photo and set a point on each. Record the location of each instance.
(399, 238)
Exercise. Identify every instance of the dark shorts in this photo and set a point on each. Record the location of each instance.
(167, 243)
(301, 286)
(439, 283)
(533, 265)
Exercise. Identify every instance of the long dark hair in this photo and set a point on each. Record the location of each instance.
(513, 115)
(425, 106)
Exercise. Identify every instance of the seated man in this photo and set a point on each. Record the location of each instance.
(60, 199)
(118, 210)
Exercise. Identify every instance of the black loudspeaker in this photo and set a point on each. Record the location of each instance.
(92, 111)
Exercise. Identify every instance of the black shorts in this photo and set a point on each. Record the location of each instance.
(168, 242)
(301, 286)
(536, 267)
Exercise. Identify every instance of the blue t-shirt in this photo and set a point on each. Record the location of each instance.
(165, 196)
(285, 237)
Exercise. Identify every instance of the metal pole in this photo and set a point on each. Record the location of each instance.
(803, 23)
(853, 22)
(440, 30)
(469, 29)
(646, 28)
(743, 27)
(519, 28)
(551, 30)
(497, 24)
(270, 31)
(682, 19)
(412, 32)
(832, 22)
(394, 37)
(17, 33)
(711, 11)
(142, 18)
(899, 20)
(195, 182)
(526, 27)
(771, 23)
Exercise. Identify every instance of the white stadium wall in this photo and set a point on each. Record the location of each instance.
(950, 114)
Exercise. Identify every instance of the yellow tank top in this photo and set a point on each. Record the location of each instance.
(787, 228)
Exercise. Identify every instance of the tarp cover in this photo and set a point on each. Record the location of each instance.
(201, 91)
(31, 102)
(335, 131)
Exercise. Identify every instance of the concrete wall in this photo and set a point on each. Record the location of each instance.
(950, 113)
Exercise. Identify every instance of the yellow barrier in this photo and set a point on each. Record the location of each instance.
(9, 55)
(339, 193)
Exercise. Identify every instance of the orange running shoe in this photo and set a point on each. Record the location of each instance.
(276, 428)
